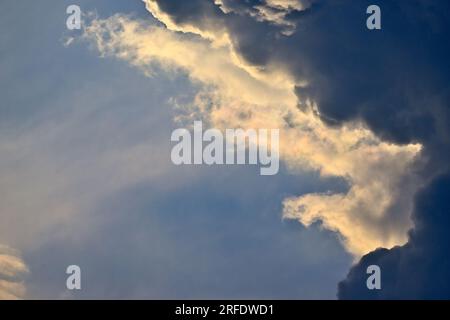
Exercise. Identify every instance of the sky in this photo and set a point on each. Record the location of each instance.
(86, 176)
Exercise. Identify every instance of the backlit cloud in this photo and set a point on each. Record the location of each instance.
(235, 94)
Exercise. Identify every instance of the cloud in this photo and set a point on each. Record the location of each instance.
(421, 268)
(275, 12)
(396, 82)
(235, 94)
(383, 97)
(13, 272)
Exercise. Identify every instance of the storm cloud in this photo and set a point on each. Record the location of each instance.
(395, 80)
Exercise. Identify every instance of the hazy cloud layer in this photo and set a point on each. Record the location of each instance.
(82, 154)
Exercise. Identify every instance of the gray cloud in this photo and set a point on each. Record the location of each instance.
(86, 179)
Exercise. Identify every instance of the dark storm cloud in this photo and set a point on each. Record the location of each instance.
(183, 12)
(396, 80)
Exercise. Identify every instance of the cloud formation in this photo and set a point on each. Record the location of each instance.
(200, 40)
(371, 108)
(421, 268)
(12, 274)
(396, 82)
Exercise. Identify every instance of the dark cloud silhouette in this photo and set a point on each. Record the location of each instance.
(396, 80)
